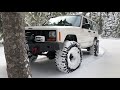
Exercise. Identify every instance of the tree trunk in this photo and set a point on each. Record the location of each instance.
(14, 45)
(100, 24)
(1, 31)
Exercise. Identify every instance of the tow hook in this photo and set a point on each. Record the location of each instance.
(34, 50)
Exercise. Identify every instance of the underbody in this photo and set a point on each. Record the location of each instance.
(39, 48)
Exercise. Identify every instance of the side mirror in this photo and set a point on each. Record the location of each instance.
(86, 26)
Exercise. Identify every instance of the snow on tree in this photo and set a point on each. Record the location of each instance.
(116, 32)
(108, 22)
(39, 18)
(111, 24)
(97, 17)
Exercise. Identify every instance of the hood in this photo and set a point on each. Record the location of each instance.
(47, 27)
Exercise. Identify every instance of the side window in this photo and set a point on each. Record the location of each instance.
(77, 21)
(91, 25)
(94, 26)
(85, 23)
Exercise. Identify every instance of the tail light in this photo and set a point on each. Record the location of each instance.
(35, 50)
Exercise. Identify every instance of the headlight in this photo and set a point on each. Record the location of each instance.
(52, 34)
(39, 38)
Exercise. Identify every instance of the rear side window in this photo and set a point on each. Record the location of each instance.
(91, 25)
(94, 26)
(84, 21)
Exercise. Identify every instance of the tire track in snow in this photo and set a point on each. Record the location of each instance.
(89, 59)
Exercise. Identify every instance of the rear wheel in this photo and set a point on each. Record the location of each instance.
(69, 58)
(94, 49)
(51, 54)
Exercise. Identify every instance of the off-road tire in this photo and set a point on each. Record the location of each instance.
(96, 52)
(32, 58)
(51, 54)
(69, 58)
(94, 49)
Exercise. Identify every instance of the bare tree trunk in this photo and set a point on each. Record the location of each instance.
(100, 23)
(14, 45)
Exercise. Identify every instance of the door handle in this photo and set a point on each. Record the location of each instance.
(89, 31)
(93, 32)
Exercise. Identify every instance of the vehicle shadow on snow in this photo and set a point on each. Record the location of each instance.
(85, 53)
(44, 68)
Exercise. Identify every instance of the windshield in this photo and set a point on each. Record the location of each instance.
(64, 21)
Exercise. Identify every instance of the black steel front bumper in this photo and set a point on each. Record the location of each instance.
(37, 48)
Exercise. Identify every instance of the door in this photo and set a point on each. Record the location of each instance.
(86, 33)
(92, 30)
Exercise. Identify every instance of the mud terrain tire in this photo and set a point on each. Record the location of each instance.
(69, 58)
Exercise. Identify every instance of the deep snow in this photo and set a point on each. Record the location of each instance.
(106, 65)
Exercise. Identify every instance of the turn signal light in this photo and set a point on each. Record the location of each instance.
(59, 36)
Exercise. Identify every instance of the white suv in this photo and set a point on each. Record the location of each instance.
(63, 38)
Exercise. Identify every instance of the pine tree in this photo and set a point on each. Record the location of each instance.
(39, 18)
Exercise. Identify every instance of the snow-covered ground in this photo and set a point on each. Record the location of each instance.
(106, 65)
(3, 73)
(1, 41)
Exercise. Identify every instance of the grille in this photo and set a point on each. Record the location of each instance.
(38, 33)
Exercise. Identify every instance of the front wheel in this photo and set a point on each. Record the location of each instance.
(69, 58)
(32, 58)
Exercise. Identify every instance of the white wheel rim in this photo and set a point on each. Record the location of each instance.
(73, 58)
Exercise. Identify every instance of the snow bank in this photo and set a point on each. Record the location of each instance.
(3, 73)
(1, 41)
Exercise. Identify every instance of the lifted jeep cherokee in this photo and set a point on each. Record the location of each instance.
(63, 38)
